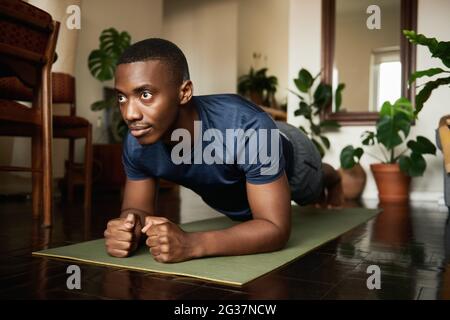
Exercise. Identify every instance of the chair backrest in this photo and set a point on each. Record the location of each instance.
(27, 41)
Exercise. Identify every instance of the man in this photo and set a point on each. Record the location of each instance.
(253, 180)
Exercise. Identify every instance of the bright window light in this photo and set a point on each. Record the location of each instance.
(389, 82)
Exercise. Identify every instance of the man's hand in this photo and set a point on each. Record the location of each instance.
(167, 242)
(122, 235)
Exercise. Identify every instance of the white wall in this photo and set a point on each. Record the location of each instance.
(263, 28)
(206, 31)
(305, 51)
(304, 45)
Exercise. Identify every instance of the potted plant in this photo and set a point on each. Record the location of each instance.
(393, 173)
(439, 50)
(257, 86)
(313, 100)
(354, 176)
(102, 64)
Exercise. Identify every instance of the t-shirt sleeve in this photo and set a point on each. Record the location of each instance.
(130, 161)
(262, 150)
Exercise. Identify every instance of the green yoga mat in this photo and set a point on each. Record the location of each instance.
(311, 229)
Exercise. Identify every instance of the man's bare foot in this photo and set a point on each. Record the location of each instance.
(335, 199)
(333, 185)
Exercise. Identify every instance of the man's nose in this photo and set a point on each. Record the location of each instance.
(132, 113)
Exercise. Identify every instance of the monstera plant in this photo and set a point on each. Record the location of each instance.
(102, 64)
(402, 158)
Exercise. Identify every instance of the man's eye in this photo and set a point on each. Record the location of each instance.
(121, 99)
(146, 95)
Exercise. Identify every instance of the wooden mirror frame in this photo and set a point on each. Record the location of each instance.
(408, 21)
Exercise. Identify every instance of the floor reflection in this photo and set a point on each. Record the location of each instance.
(411, 245)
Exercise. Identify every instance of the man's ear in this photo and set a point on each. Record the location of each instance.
(186, 91)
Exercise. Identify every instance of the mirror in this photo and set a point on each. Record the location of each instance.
(363, 47)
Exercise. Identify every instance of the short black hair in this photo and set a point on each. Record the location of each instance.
(158, 49)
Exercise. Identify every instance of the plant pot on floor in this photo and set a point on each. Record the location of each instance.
(353, 182)
(393, 185)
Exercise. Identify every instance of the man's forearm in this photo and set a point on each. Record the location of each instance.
(254, 236)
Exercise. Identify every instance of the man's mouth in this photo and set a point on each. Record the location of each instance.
(140, 131)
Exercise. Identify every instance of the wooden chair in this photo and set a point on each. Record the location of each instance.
(69, 127)
(27, 49)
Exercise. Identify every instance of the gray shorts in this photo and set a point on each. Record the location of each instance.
(306, 180)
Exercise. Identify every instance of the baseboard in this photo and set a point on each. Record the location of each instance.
(416, 196)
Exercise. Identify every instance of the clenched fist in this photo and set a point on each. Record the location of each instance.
(166, 241)
(122, 236)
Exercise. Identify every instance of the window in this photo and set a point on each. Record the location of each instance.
(385, 77)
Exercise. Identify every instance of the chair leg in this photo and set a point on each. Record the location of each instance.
(47, 136)
(88, 170)
(36, 159)
(70, 173)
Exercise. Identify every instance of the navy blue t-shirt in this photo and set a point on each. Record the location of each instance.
(223, 158)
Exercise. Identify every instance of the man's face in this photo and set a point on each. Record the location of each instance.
(148, 99)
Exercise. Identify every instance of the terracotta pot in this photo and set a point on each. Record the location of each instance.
(393, 185)
(353, 182)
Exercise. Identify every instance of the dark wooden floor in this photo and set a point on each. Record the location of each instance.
(410, 245)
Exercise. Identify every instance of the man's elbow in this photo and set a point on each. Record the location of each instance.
(282, 238)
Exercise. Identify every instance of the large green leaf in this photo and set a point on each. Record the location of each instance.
(389, 128)
(102, 62)
(304, 80)
(102, 65)
(113, 42)
(426, 91)
(402, 105)
(350, 156)
(405, 164)
(425, 73)
(386, 109)
(414, 166)
(322, 95)
(422, 146)
(443, 52)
